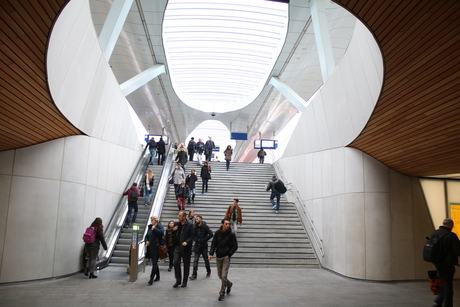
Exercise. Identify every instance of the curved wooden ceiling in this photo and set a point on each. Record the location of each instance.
(415, 127)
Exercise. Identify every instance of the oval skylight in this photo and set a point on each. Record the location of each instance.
(220, 53)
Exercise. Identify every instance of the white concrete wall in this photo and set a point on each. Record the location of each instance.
(372, 220)
(54, 190)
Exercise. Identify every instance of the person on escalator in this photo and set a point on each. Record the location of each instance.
(161, 150)
(148, 186)
(133, 195)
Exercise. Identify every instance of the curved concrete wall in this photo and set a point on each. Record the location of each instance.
(54, 190)
(372, 220)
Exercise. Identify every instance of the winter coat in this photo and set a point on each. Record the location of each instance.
(205, 172)
(228, 154)
(182, 157)
(190, 180)
(155, 238)
(202, 235)
(128, 192)
(161, 146)
(229, 214)
(449, 245)
(178, 174)
(183, 191)
(224, 243)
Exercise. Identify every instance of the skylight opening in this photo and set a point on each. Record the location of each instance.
(220, 53)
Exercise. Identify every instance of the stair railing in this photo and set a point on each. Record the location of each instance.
(303, 213)
(114, 227)
(158, 201)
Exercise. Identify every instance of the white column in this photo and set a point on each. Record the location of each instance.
(113, 25)
(137, 81)
(323, 39)
(289, 93)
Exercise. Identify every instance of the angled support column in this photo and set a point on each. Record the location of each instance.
(137, 81)
(323, 39)
(113, 25)
(289, 93)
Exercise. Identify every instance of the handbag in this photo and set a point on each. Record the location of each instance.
(162, 253)
(436, 281)
(171, 180)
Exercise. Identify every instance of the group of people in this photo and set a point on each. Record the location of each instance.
(191, 234)
(157, 148)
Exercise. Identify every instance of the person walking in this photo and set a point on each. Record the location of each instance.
(275, 193)
(183, 193)
(228, 155)
(170, 243)
(152, 148)
(208, 148)
(191, 149)
(93, 248)
(449, 248)
(161, 149)
(202, 235)
(199, 151)
(261, 155)
(178, 174)
(205, 176)
(183, 233)
(148, 185)
(153, 238)
(234, 215)
(181, 157)
(191, 179)
(224, 244)
(133, 195)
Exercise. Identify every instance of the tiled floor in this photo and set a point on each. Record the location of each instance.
(252, 287)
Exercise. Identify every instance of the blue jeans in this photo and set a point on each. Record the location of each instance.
(152, 154)
(128, 216)
(272, 199)
(147, 193)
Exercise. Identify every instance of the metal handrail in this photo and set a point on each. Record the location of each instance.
(114, 227)
(306, 219)
(158, 201)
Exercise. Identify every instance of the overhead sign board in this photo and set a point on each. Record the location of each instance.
(266, 144)
(238, 136)
(157, 138)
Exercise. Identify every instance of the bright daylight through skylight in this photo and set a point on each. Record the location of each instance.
(220, 53)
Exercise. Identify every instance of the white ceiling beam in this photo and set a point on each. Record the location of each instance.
(289, 93)
(323, 39)
(139, 80)
(113, 24)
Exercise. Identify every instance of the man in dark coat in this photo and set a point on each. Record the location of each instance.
(208, 148)
(202, 235)
(449, 251)
(161, 149)
(225, 245)
(183, 233)
(191, 149)
(275, 194)
(152, 148)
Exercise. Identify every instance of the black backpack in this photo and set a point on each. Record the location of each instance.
(279, 186)
(432, 248)
(134, 195)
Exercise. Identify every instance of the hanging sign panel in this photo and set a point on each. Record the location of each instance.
(265, 144)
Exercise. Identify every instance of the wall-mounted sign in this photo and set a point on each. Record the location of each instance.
(266, 144)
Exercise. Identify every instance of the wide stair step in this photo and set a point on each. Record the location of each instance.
(265, 239)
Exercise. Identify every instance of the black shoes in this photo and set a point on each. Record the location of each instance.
(221, 297)
(193, 277)
(209, 274)
(184, 285)
(177, 284)
(229, 288)
(169, 269)
(157, 278)
(150, 282)
(92, 276)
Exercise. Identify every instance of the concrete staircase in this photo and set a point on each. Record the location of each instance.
(120, 255)
(265, 239)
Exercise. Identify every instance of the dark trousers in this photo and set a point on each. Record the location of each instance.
(161, 158)
(446, 294)
(276, 195)
(128, 217)
(171, 255)
(202, 251)
(155, 269)
(227, 162)
(183, 254)
(190, 154)
(205, 184)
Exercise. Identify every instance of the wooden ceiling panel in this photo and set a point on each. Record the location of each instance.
(28, 113)
(415, 126)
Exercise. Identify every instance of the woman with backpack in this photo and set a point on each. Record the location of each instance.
(96, 231)
(153, 239)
